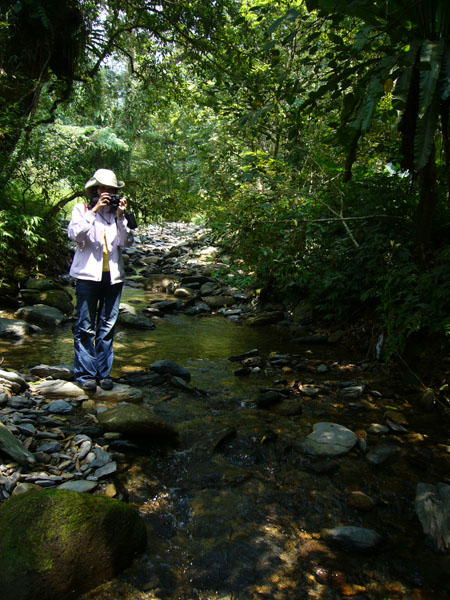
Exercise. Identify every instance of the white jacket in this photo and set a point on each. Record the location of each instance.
(89, 229)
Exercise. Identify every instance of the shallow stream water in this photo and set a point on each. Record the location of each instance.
(235, 511)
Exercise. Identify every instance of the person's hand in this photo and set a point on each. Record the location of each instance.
(122, 207)
(103, 200)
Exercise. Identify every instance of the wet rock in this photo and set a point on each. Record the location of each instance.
(267, 318)
(59, 407)
(41, 314)
(106, 470)
(427, 400)
(137, 421)
(352, 539)
(80, 485)
(309, 390)
(88, 539)
(167, 367)
(59, 299)
(63, 372)
(11, 446)
(218, 301)
(16, 329)
(329, 439)
(135, 321)
(360, 501)
(432, 506)
(382, 453)
(352, 392)
(268, 399)
(15, 378)
(378, 429)
(58, 388)
(183, 292)
(167, 306)
(50, 447)
(20, 402)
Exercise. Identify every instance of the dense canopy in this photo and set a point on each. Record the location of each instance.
(311, 136)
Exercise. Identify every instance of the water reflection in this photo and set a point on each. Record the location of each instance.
(201, 344)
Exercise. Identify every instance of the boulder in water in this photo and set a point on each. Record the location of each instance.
(57, 544)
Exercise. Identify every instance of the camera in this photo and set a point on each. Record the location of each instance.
(114, 200)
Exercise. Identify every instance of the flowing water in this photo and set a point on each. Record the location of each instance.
(235, 511)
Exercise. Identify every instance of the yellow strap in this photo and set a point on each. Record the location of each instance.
(105, 255)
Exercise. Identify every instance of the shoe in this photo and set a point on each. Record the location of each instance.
(107, 383)
(89, 386)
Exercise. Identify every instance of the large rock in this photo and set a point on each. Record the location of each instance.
(168, 367)
(55, 371)
(137, 421)
(16, 329)
(58, 388)
(41, 314)
(219, 301)
(329, 439)
(432, 506)
(11, 446)
(127, 319)
(119, 393)
(59, 298)
(57, 544)
(351, 538)
(14, 378)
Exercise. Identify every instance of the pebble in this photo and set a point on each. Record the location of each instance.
(59, 407)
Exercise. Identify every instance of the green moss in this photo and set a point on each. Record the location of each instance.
(54, 537)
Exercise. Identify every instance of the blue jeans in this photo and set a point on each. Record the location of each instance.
(97, 312)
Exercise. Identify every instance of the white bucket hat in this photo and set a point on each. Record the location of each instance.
(104, 177)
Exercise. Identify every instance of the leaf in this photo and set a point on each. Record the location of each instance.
(425, 130)
(445, 75)
(362, 37)
(388, 85)
(275, 25)
(431, 60)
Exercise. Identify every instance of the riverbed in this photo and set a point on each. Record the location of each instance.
(236, 510)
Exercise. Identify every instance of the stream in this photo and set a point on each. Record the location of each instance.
(236, 511)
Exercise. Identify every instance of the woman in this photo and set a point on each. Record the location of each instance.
(101, 230)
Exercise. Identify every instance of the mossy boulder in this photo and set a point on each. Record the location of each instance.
(58, 298)
(57, 544)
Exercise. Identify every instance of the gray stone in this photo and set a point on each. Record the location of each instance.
(164, 367)
(135, 321)
(79, 485)
(50, 447)
(382, 453)
(17, 329)
(41, 314)
(59, 407)
(107, 469)
(58, 388)
(136, 420)
(352, 539)
(119, 393)
(56, 372)
(432, 506)
(329, 439)
(14, 378)
(11, 446)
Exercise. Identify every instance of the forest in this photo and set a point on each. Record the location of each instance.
(310, 136)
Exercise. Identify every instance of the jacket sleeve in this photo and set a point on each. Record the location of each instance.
(81, 226)
(124, 233)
